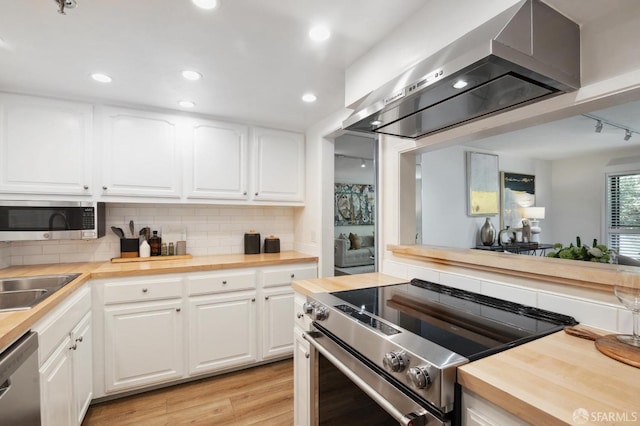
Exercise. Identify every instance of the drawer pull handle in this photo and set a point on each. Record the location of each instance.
(79, 339)
(266, 298)
(144, 290)
(293, 275)
(307, 355)
(178, 309)
(74, 347)
(104, 188)
(224, 282)
(86, 187)
(253, 299)
(299, 315)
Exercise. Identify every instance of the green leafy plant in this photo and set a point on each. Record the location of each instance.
(595, 253)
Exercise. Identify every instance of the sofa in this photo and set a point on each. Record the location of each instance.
(346, 257)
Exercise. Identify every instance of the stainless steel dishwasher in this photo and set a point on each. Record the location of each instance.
(20, 382)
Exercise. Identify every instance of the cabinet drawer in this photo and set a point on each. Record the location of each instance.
(277, 277)
(220, 282)
(142, 290)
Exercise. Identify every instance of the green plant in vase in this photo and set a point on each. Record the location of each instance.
(595, 253)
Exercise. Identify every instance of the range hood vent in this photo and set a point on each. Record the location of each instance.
(527, 53)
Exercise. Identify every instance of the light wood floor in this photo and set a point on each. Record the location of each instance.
(260, 395)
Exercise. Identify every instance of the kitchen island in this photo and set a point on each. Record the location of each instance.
(557, 379)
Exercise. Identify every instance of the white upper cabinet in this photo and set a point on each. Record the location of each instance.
(216, 161)
(140, 154)
(278, 159)
(45, 146)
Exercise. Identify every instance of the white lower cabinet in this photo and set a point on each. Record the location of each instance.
(277, 322)
(143, 344)
(65, 356)
(304, 361)
(222, 331)
(477, 411)
(82, 344)
(232, 318)
(56, 387)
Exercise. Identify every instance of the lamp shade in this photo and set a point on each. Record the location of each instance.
(533, 212)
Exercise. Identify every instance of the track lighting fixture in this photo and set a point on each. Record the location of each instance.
(362, 164)
(600, 122)
(599, 126)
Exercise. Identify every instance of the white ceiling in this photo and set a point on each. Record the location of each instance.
(255, 55)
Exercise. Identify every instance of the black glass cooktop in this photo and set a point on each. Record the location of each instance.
(470, 324)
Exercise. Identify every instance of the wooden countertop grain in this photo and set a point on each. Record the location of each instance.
(14, 324)
(344, 282)
(547, 380)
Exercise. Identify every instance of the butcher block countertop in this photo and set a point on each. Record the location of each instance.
(15, 324)
(546, 381)
(542, 382)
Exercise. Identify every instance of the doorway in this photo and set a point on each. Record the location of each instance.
(355, 204)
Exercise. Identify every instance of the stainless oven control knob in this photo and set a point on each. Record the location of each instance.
(320, 313)
(308, 308)
(419, 377)
(395, 361)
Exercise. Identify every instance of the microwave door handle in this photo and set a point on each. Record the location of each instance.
(399, 416)
(52, 219)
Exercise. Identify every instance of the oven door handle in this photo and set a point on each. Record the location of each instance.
(412, 419)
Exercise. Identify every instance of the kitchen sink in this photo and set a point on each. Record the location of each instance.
(25, 292)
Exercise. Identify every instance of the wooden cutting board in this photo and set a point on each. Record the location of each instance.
(609, 345)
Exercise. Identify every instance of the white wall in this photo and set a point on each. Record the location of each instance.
(578, 196)
(444, 195)
(210, 230)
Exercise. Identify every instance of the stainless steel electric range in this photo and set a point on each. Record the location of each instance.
(389, 354)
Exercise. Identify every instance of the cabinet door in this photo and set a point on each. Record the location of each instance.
(143, 344)
(216, 161)
(277, 322)
(278, 165)
(303, 381)
(82, 342)
(56, 387)
(222, 331)
(140, 154)
(45, 146)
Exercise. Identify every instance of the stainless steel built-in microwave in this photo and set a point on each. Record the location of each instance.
(51, 220)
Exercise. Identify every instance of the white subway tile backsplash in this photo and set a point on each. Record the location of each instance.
(459, 281)
(424, 274)
(586, 312)
(625, 321)
(209, 229)
(510, 293)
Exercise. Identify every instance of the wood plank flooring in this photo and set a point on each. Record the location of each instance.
(260, 395)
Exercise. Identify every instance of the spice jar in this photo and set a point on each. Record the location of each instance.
(171, 249)
(163, 250)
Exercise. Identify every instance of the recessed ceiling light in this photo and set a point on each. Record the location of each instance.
(102, 78)
(319, 33)
(187, 104)
(460, 84)
(309, 97)
(191, 75)
(206, 4)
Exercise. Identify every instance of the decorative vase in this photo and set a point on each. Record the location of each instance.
(487, 233)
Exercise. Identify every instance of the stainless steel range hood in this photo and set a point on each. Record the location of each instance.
(527, 53)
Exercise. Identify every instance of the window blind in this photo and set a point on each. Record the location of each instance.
(623, 213)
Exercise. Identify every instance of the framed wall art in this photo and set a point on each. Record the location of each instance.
(354, 204)
(482, 184)
(517, 190)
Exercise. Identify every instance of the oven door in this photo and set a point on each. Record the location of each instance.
(350, 392)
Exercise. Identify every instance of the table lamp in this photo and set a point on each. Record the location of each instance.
(534, 214)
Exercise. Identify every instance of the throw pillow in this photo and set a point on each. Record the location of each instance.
(355, 241)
